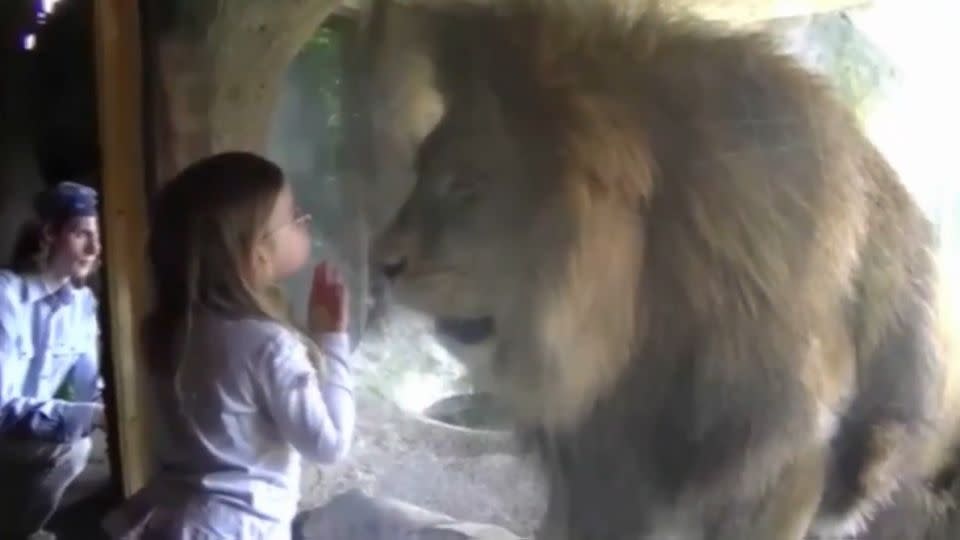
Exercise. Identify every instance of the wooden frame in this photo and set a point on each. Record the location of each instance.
(117, 44)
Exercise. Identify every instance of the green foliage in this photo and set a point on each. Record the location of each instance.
(320, 64)
(317, 73)
(858, 69)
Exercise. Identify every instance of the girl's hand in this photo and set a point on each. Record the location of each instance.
(328, 311)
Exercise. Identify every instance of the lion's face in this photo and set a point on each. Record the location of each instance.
(527, 210)
(457, 246)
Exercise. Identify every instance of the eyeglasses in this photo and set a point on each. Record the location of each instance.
(300, 219)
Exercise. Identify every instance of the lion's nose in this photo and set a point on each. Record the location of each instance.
(393, 267)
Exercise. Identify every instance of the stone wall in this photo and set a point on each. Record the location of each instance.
(19, 175)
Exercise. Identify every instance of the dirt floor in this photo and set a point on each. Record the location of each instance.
(471, 476)
(477, 476)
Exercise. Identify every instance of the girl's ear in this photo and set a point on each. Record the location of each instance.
(259, 263)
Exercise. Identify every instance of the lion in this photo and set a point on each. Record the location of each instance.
(708, 293)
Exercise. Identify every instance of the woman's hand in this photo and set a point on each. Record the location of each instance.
(100, 417)
(328, 311)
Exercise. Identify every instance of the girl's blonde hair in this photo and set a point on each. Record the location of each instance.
(205, 224)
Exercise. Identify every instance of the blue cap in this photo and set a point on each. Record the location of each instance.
(66, 200)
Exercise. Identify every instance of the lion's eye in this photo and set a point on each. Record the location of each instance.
(456, 185)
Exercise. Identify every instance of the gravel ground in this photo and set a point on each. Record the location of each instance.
(476, 476)
(470, 476)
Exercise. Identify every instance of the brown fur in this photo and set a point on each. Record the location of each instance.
(711, 293)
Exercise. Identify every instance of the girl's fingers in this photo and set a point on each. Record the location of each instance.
(340, 304)
(319, 275)
(317, 284)
(338, 292)
(328, 286)
(321, 285)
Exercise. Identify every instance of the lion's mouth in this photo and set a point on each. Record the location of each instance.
(468, 331)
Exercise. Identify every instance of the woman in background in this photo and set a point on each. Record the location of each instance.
(49, 335)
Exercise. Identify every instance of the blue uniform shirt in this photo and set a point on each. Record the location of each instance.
(47, 337)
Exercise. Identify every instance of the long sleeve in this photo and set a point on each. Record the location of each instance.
(316, 417)
(84, 376)
(20, 416)
(51, 420)
(85, 379)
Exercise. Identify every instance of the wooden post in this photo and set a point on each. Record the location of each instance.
(119, 93)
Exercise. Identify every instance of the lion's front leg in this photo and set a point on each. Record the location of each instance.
(783, 511)
(553, 526)
(786, 510)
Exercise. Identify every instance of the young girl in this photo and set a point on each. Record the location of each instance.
(242, 393)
